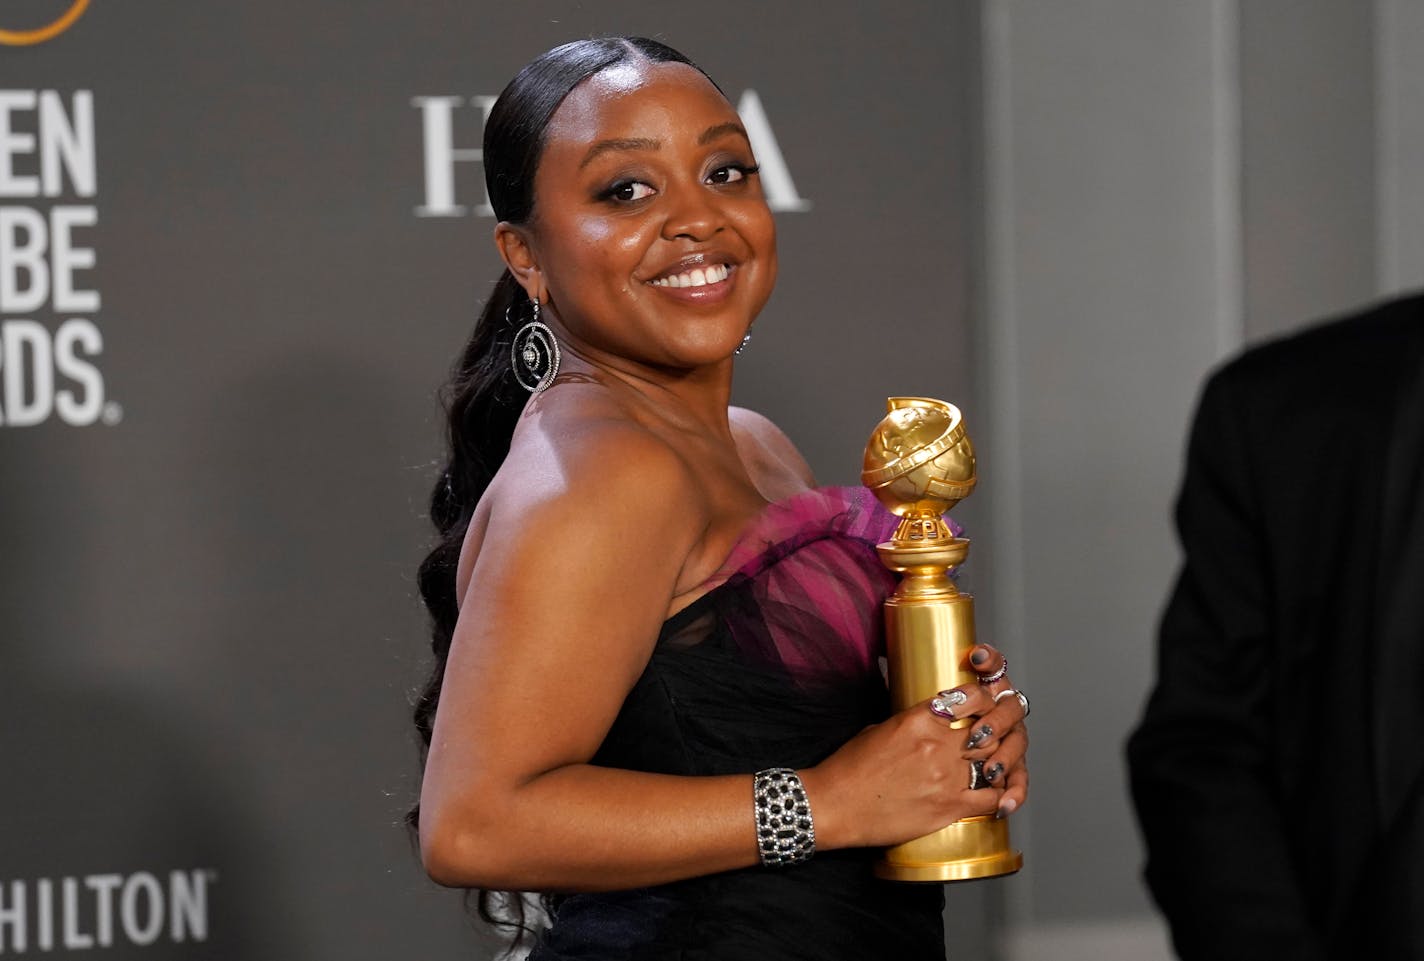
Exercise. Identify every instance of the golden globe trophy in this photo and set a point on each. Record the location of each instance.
(919, 463)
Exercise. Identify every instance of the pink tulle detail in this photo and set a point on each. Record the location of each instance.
(810, 565)
(819, 512)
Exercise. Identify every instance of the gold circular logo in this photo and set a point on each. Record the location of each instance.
(25, 38)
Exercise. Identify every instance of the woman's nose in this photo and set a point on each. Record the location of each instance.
(693, 213)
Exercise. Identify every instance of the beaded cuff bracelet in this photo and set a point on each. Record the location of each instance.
(785, 831)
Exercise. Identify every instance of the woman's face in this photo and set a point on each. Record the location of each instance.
(650, 232)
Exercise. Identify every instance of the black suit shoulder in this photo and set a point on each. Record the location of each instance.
(1332, 359)
(1276, 517)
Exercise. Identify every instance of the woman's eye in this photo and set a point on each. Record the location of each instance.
(730, 174)
(630, 190)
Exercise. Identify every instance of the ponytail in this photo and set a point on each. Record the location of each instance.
(483, 402)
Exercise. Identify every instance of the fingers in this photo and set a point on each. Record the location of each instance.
(1015, 793)
(1004, 715)
(1010, 708)
(942, 766)
(990, 719)
(959, 703)
(977, 795)
(952, 705)
(969, 700)
(996, 735)
(1007, 759)
(977, 802)
(993, 670)
(985, 658)
(988, 662)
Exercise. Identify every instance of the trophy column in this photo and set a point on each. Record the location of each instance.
(919, 463)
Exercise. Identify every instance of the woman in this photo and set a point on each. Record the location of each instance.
(656, 626)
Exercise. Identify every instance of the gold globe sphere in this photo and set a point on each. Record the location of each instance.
(919, 461)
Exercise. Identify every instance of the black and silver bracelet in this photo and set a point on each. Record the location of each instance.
(785, 831)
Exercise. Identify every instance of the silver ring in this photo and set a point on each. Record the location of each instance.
(997, 675)
(1023, 698)
(976, 776)
(945, 704)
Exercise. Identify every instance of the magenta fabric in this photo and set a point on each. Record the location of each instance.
(819, 588)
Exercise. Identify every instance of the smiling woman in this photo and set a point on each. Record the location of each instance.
(629, 225)
(656, 692)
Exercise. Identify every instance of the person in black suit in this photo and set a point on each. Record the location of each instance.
(1276, 769)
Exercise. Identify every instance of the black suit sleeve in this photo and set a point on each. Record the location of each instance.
(1218, 863)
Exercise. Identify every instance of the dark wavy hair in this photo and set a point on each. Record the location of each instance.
(482, 400)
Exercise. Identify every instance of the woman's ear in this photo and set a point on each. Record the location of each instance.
(519, 257)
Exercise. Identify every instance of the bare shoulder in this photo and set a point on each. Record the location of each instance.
(586, 484)
(578, 453)
(759, 437)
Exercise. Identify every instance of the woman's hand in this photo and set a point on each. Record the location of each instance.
(910, 775)
(1004, 746)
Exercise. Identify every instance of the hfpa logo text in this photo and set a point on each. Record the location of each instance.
(438, 120)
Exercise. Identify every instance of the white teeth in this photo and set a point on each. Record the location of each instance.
(696, 277)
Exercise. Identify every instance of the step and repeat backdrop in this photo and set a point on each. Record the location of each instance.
(240, 244)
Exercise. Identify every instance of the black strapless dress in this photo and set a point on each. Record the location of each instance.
(777, 666)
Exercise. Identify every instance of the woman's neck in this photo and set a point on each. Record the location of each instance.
(694, 399)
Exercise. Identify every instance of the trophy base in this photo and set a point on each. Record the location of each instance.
(966, 850)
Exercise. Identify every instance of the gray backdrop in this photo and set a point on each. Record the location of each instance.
(217, 423)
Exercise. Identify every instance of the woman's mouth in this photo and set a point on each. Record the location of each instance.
(696, 277)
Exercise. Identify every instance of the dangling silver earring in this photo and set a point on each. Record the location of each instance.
(745, 340)
(534, 355)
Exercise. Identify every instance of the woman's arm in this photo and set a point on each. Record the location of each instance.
(581, 552)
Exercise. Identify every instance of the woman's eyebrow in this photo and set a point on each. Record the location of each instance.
(721, 130)
(643, 143)
(603, 146)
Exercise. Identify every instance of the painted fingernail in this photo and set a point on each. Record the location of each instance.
(992, 773)
(944, 706)
(978, 737)
(1007, 807)
(979, 656)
